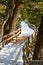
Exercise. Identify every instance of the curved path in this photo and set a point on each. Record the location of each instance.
(12, 54)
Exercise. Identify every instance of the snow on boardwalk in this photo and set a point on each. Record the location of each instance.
(12, 54)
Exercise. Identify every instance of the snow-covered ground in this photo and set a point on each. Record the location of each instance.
(13, 54)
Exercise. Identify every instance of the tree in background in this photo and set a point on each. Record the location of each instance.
(38, 51)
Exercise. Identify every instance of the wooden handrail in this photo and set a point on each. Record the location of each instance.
(10, 38)
(20, 39)
(13, 36)
(10, 34)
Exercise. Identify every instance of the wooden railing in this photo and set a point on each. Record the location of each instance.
(28, 49)
(9, 37)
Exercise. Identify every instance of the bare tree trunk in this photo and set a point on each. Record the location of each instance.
(15, 16)
(11, 24)
(8, 20)
(39, 43)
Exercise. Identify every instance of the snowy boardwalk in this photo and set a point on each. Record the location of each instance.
(12, 54)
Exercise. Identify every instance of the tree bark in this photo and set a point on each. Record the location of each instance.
(7, 22)
(11, 3)
(16, 10)
(15, 16)
(39, 43)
